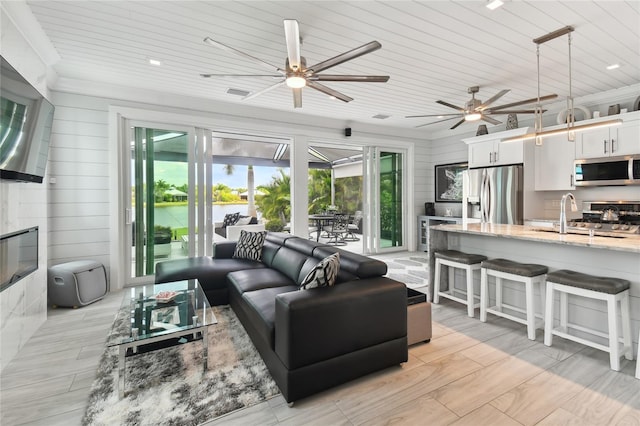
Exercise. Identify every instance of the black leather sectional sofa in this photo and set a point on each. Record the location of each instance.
(312, 339)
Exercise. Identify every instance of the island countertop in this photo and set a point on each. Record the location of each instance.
(627, 243)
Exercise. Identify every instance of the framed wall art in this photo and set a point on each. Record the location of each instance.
(448, 182)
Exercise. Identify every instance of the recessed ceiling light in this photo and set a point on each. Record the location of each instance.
(155, 62)
(613, 67)
(493, 5)
(441, 116)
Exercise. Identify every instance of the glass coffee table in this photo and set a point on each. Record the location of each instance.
(161, 316)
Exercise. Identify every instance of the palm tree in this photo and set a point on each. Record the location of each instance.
(276, 201)
(251, 207)
(319, 189)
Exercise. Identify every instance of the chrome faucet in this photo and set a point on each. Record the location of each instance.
(563, 213)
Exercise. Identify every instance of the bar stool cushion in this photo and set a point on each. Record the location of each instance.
(589, 282)
(515, 268)
(460, 257)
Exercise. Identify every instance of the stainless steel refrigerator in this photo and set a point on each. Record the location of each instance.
(493, 195)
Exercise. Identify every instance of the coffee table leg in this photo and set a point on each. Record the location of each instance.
(205, 347)
(121, 370)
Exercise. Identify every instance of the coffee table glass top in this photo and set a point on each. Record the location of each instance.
(160, 310)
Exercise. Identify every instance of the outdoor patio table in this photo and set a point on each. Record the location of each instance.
(320, 221)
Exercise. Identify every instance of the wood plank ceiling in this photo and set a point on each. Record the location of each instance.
(432, 49)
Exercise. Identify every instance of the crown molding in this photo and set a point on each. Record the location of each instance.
(20, 15)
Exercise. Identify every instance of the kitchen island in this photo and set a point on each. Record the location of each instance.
(597, 255)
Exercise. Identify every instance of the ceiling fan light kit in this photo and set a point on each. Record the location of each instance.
(296, 75)
(296, 82)
(570, 119)
(474, 116)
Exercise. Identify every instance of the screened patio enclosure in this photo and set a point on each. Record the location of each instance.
(336, 181)
(149, 167)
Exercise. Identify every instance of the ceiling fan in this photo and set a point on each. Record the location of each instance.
(475, 109)
(296, 74)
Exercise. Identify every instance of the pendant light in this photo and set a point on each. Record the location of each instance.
(571, 128)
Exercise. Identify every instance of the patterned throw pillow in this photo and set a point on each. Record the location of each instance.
(230, 219)
(249, 245)
(324, 274)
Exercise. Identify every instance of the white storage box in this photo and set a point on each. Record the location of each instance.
(76, 283)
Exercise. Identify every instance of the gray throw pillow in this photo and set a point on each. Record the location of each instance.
(249, 245)
(244, 220)
(324, 274)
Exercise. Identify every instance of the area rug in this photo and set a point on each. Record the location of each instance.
(167, 386)
(413, 270)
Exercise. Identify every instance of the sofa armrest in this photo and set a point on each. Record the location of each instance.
(224, 249)
(233, 231)
(323, 323)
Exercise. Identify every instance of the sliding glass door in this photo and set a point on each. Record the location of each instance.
(385, 199)
(160, 198)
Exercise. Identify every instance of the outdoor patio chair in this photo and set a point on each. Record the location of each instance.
(352, 227)
(337, 230)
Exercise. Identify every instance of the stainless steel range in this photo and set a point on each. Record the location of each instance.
(615, 217)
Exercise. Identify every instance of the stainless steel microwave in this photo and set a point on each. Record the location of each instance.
(624, 170)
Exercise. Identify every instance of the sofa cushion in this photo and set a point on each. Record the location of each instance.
(256, 279)
(356, 264)
(210, 272)
(249, 245)
(324, 274)
(289, 262)
(260, 308)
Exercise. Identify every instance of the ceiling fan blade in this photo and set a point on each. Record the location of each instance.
(524, 102)
(222, 46)
(447, 104)
(491, 100)
(357, 78)
(241, 75)
(432, 115)
(326, 90)
(457, 124)
(292, 37)
(297, 98)
(344, 57)
(263, 91)
(512, 111)
(490, 120)
(434, 122)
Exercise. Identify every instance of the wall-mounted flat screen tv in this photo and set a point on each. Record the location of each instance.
(25, 127)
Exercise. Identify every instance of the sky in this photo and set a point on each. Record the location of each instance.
(175, 173)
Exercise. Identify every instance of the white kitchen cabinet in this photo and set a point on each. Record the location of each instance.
(554, 164)
(489, 150)
(609, 141)
(495, 153)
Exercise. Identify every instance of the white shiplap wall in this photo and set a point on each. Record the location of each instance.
(79, 185)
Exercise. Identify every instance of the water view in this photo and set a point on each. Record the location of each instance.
(177, 216)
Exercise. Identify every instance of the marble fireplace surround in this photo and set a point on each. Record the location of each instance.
(23, 305)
